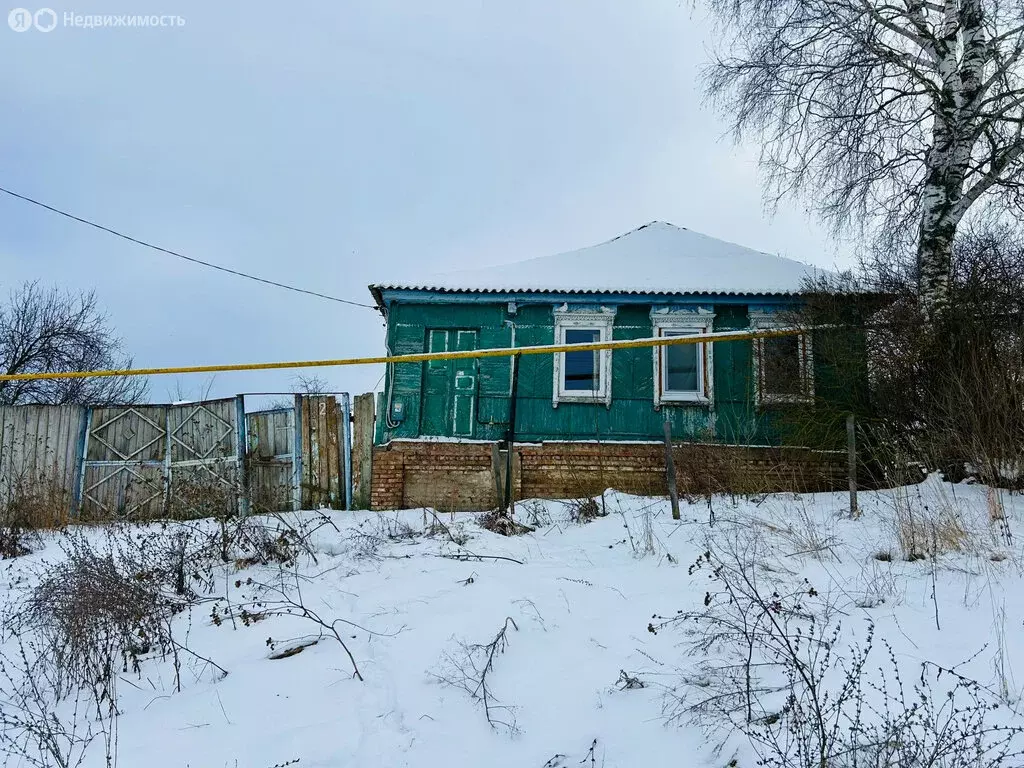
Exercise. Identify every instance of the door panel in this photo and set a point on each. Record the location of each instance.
(449, 386)
(464, 406)
(436, 383)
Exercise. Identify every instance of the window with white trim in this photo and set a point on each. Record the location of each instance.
(783, 365)
(682, 372)
(584, 376)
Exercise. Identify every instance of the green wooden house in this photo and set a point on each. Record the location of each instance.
(657, 280)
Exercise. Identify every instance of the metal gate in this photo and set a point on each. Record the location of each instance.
(147, 462)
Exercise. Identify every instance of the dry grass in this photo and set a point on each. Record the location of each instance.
(802, 532)
(35, 502)
(29, 505)
(927, 530)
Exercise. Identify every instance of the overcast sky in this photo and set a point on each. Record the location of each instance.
(333, 144)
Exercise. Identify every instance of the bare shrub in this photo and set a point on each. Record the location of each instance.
(110, 600)
(451, 534)
(875, 585)
(648, 539)
(758, 630)
(45, 724)
(203, 493)
(247, 540)
(282, 596)
(16, 540)
(638, 515)
(885, 723)
(536, 513)
(271, 539)
(773, 665)
(397, 529)
(583, 511)
(470, 669)
(93, 615)
(109, 604)
(501, 522)
(37, 500)
(372, 533)
(947, 396)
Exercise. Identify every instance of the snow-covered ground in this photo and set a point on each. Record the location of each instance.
(576, 601)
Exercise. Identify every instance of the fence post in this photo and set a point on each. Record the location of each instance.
(509, 498)
(362, 446)
(242, 454)
(168, 470)
(81, 452)
(297, 453)
(499, 481)
(670, 468)
(851, 463)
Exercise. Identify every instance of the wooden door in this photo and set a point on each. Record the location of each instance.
(449, 386)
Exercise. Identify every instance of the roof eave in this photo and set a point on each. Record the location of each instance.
(378, 290)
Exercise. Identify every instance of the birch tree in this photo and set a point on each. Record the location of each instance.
(901, 116)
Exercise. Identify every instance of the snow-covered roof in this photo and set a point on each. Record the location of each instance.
(657, 258)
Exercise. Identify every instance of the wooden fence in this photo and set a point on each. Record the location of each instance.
(38, 454)
(182, 460)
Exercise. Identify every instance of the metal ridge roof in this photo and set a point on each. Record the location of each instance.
(657, 259)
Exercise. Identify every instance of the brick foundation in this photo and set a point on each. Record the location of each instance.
(460, 476)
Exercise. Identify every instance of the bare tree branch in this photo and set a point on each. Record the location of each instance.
(47, 330)
(898, 117)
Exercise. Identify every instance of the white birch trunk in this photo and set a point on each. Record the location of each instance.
(947, 163)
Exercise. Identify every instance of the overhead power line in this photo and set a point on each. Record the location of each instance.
(169, 252)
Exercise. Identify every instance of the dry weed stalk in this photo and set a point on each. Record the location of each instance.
(470, 670)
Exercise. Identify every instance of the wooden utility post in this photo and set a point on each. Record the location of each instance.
(509, 499)
(497, 469)
(851, 463)
(670, 469)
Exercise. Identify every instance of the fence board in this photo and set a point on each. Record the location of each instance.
(123, 491)
(271, 438)
(37, 453)
(132, 433)
(322, 464)
(362, 449)
(271, 433)
(201, 431)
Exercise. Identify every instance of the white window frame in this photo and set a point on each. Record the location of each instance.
(695, 322)
(760, 320)
(602, 321)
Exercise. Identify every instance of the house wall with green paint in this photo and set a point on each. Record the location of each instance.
(470, 399)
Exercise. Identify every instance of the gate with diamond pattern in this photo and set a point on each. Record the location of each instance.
(153, 461)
